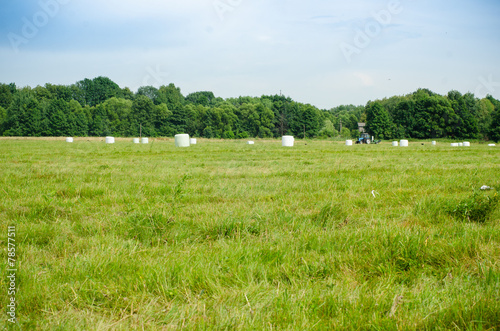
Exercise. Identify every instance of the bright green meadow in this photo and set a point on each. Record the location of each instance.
(229, 236)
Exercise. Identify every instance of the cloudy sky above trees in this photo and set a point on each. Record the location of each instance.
(323, 52)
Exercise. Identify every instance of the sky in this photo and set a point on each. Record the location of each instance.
(323, 52)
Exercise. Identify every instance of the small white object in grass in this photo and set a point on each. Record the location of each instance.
(395, 144)
(110, 140)
(484, 188)
(69, 140)
(434, 143)
(136, 141)
(466, 144)
(374, 192)
(491, 145)
(250, 142)
(287, 141)
(192, 141)
(454, 145)
(348, 142)
(182, 140)
(145, 140)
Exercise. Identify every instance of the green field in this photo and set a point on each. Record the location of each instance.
(224, 235)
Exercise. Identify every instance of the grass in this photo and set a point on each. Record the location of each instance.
(227, 236)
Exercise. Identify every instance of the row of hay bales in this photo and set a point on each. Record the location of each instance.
(405, 143)
(402, 143)
(183, 140)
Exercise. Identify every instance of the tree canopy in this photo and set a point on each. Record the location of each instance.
(98, 107)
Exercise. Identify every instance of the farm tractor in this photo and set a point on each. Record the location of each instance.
(366, 139)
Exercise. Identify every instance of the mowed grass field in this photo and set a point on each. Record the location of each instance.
(224, 236)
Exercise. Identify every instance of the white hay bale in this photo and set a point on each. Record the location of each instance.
(182, 140)
(491, 145)
(466, 144)
(192, 141)
(250, 143)
(145, 140)
(434, 143)
(395, 144)
(348, 142)
(136, 141)
(110, 140)
(404, 143)
(69, 140)
(454, 144)
(287, 141)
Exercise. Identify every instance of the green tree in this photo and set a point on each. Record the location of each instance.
(34, 119)
(17, 121)
(5, 96)
(97, 90)
(58, 120)
(149, 91)
(228, 118)
(304, 118)
(105, 88)
(328, 130)
(208, 132)
(404, 119)
(42, 93)
(77, 120)
(345, 133)
(118, 112)
(99, 124)
(398, 132)
(266, 120)
(378, 121)
(228, 133)
(484, 116)
(248, 119)
(437, 118)
(160, 120)
(78, 92)
(196, 113)
(204, 98)
(213, 121)
(494, 133)
(426, 115)
(142, 116)
(126, 94)
(171, 96)
(179, 120)
(465, 107)
(60, 92)
(44, 118)
(3, 119)
(285, 112)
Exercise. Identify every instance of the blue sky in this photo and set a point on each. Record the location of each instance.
(321, 52)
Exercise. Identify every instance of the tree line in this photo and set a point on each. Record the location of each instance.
(425, 114)
(99, 107)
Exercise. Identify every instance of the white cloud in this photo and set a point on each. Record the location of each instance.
(364, 79)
